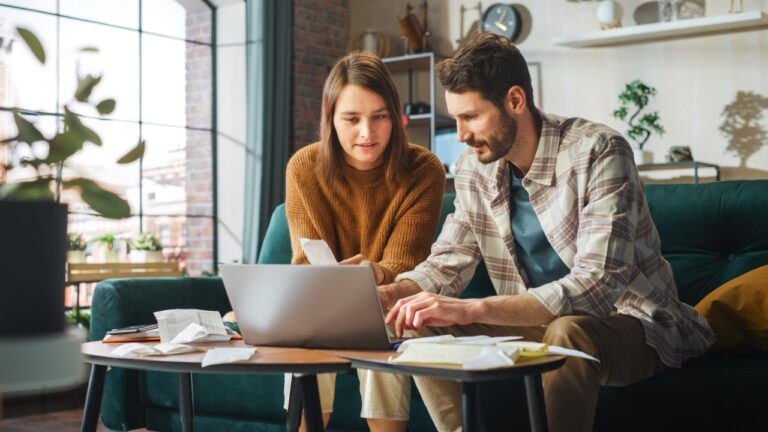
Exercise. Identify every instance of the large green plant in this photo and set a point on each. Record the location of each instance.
(635, 96)
(48, 182)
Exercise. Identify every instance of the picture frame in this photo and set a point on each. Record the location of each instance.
(534, 68)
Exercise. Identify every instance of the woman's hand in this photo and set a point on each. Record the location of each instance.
(230, 317)
(360, 259)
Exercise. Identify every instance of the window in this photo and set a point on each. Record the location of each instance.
(156, 58)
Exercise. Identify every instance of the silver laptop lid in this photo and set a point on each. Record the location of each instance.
(310, 306)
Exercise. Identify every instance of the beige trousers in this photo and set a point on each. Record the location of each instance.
(570, 392)
(383, 395)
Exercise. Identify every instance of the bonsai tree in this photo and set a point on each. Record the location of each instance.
(75, 242)
(146, 242)
(635, 97)
(48, 182)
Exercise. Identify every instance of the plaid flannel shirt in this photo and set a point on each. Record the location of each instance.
(586, 192)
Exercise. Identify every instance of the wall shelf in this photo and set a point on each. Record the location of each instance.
(712, 25)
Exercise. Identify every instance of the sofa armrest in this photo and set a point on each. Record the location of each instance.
(123, 302)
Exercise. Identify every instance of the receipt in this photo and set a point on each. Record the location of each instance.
(318, 252)
(173, 321)
(227, 355)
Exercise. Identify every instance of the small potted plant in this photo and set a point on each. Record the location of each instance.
(75, 248)
(146, 248)
(108, 252)
(636, 95)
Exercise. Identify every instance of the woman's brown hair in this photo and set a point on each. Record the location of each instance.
(368, 71)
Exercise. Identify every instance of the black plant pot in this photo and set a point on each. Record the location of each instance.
(33, 254)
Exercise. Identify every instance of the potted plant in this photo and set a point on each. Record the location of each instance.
(146, 248)
(33, 222)
(108, 251)
(76, 248)
(635, 96)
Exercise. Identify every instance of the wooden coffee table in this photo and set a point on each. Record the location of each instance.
(530, 369)
(304, 364)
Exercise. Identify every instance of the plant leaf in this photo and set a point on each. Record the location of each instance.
(104, 202)
(64, 145)
(85, 86)
(136, 153)
(28, 133)
(35, 190)
(89, 49)
(106, 106)
(33, 43)
(73, 123)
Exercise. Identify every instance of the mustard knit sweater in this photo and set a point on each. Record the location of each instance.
(360, 215)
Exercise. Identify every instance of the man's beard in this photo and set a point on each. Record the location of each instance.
(498, 145)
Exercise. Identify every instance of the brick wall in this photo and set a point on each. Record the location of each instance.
(199, 167)
(320, 37)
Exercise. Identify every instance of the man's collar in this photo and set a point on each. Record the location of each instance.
(543, 167)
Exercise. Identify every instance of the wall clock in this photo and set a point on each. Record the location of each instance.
(502, 19)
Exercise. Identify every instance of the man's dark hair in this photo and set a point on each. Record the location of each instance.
(489, 64)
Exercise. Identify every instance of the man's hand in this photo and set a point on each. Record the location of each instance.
(390, 293)
(430, 309)
(360, 259)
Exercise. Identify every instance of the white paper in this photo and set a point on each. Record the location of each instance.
(461, 340)
(318, 252)
(192, 333)
(556, 350)
(131, 350)
(173, 321)
(227, 355)
(491, 357)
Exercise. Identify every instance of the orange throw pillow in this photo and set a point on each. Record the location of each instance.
(737, 311)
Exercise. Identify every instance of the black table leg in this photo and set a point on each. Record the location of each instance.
(294, 406)
(534, 394)
(311, 401)
(186, 408)
(93, 399)
(470, 414)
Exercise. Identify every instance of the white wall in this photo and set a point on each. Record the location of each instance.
(231, 125)
(695, 78)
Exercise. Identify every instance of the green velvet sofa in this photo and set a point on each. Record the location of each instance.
(710, 233)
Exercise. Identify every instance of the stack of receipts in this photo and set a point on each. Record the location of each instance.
(180, 326)
(476, 352)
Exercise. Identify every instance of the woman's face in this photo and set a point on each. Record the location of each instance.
(363, 126)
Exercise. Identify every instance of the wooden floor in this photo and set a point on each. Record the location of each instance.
(61, 421)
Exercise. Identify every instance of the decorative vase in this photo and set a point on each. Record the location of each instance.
(643, 157)
(75, 256)
(109, 256)
(609, 14)
(33, 235)
(143, 256)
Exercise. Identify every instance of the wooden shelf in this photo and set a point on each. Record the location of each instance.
(422, 61)
(712, 25)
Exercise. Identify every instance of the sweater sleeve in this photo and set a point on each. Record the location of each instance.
(298, 208)
(414, 231)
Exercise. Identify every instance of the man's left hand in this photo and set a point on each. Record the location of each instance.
(430, 309)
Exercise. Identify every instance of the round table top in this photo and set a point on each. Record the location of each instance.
(264, 360)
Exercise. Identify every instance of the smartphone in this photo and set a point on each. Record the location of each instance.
(132, 329)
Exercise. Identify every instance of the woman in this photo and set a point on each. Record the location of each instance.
(374, 198)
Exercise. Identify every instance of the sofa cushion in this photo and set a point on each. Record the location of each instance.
(710, 233)
(738, 313)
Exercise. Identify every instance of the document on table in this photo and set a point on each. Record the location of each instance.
(318, 252)
(175, 326)
(227, 355)
(130, 350)
(476, 352)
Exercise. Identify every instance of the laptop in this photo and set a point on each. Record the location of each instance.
(312, 306)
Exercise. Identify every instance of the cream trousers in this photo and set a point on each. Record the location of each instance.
(383, 395)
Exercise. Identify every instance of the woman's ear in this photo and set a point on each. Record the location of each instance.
(515, 100)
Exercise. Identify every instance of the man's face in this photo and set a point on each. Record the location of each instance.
(481, 125)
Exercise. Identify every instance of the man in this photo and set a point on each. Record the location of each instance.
(555, 208)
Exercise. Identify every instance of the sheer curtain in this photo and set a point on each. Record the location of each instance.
(268, 129)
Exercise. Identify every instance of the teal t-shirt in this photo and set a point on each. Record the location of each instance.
(534, 253)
